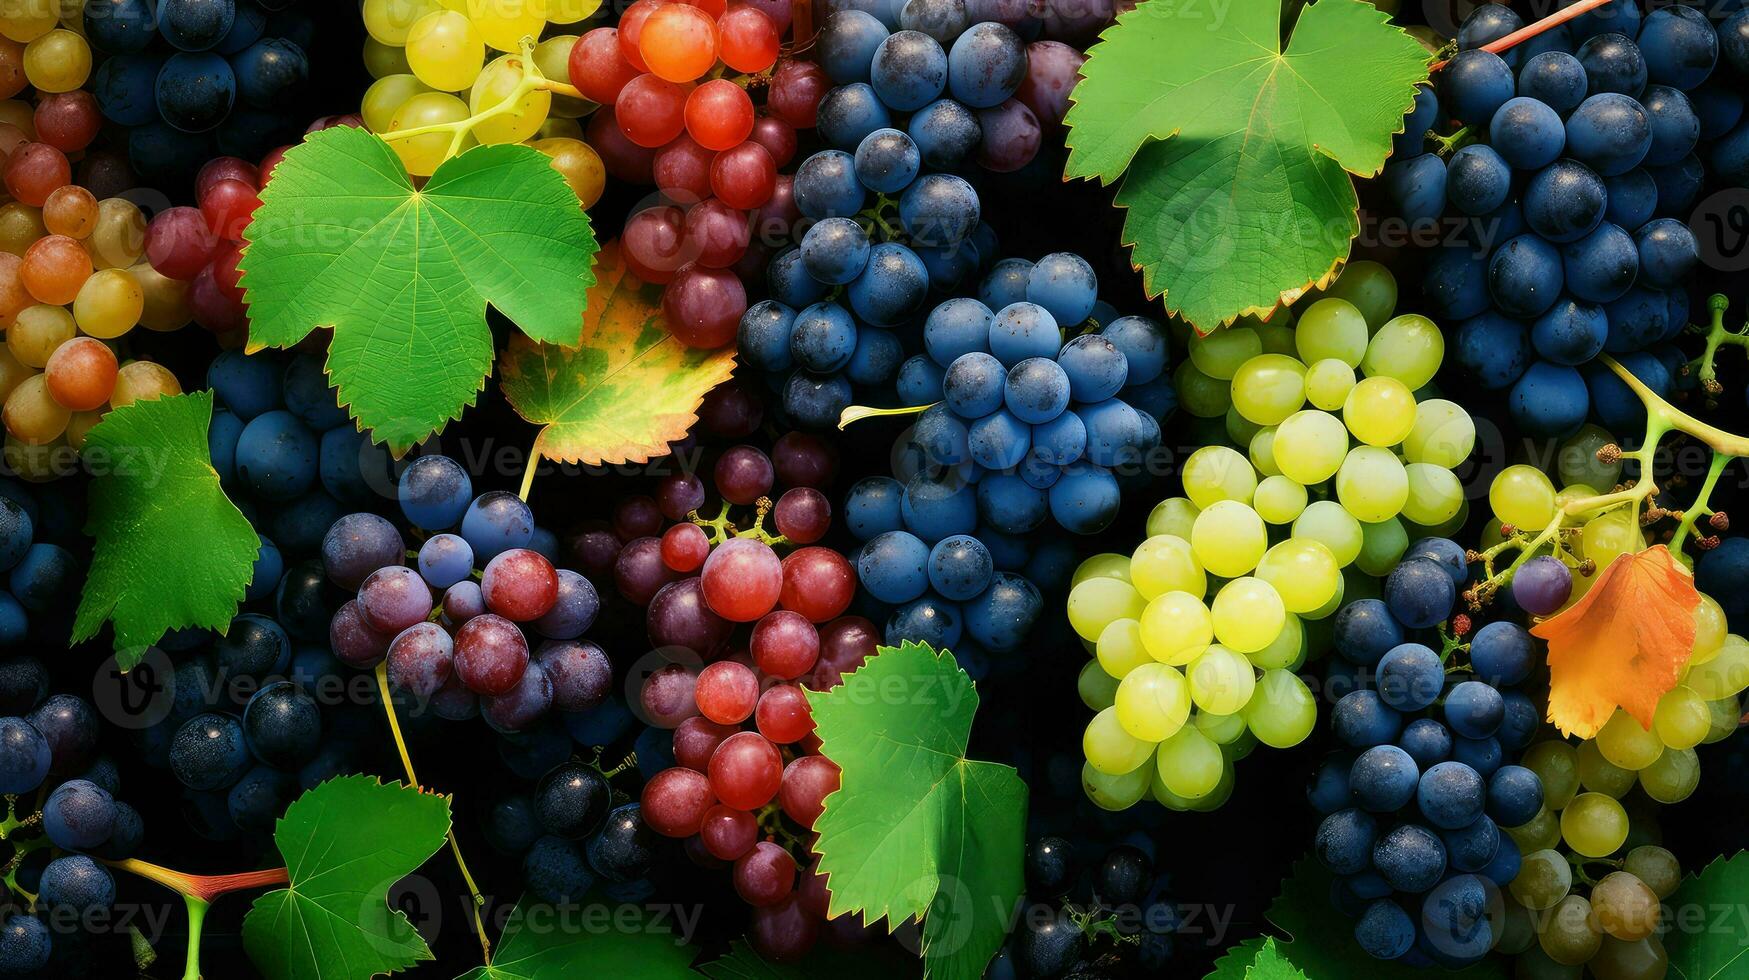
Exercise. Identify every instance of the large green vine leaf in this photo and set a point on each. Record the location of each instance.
(546, 942)
(1238, 153)
(343, 240)
(1255, 959)
(1709, 938)
(916, 828)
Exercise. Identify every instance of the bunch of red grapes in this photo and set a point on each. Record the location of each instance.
(673, 115)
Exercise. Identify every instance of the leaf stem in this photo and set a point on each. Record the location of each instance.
(206, 888)
(856, 413)
(196, 918)
(534, 459)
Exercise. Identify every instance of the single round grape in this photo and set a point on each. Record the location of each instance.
(1268, 388)
(445, 50)
(1594, 825)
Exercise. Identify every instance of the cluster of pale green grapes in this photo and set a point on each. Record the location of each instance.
(1198, 634)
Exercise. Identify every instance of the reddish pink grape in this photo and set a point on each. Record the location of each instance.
(225, 168)
(818, 583)
(420, 659)
(639, 572)
(454, 702)
(719, 114)
(520, 585)
(597, 67)
(704, 306)
(783, 715)
(270, 161)
(716, 234)
(68, 121)
(637, 516)
(696, 738)
(357, 545)
(744, 175)
(654, 243)
(650, 110)
(226, 271)
(806, 783)
(212, 308)
(743, 474)
(490, 654)
(685, 547)
(750, 41)
(785, 645)
(674, 802)
(803, 515)
(356, 642)
(682, 170)
(796, 90)
(680, 617)
(519, 708)
(667, 696)
(727, 832)
(765, 875)
(803, 459)
(631, 31)
(1011, 137)
(746, 771)
(593, 548)
(742, 579)
(726, 692)
(679, 494)
(179, 243)
(778, 138)
(227, 206)
(463, 601)
(619, 156)
(582, 675)
(1052, 68)
(783, 933)
(394, 598)
(731, 411)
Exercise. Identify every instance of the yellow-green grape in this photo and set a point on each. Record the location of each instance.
(1097, 601)
(1381, 545)
(1221, 680)
(1725, 675)
(1228, 538)
(1261, 451)
(1710, 630)
(1239, 428)
(1223, 791)
(1725, 713)
(1594, 825)
(423, 154)
(1097, 688)
(1570, 935)
(1523, 497)
(37, 332)
(1310, 445)
(1248, 614)
(1199, 394)
(1333, 328)
(1303, 571)
(1599, 775)
(497, 83)
(1174, 516)
(1681, 720)
(1556, 764)
(1641, 959)
(1277, 334)
(571, 11)
(1282, 711)
(1328, 383)
(59, 61)
(1370, 287)
(385, 97)
(1215, 473)
(1269, 387)
(553, 57)
(1328, 609)
(1106, 564)
(1176, 628)
(1435, 495)
(445, 50)
(1163, 796)
(1541, 831)
(1577, 461)
(1153, 701)
(1443, 434)
(1283, 651)
(1372, 484)
(1120, 650)
(1238, 749)
(1115, 792)
(504, 23)
(388, 21)
(1408, 348)
(1220, 729)
(1624, 743)
(1189, 763)
(1673, 778)
(1656, 867)
(1327, 522)
(1278, 500)
(1380, 411)
(109, 303)
(1606, 538)
(382, 60)
(1109, 748)
(1165, 563)
(1544, 878)
(1220, 354)
(27, 20)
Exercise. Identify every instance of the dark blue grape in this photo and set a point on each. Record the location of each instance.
(1022, 330)
(763, 337)
(1344, 841)
(789, 283)
(1668, 252)
(1680, 45)
(823, 338)
(1474, 709)
(1002, 616)
(1009, 505)
(125, 836)
(1410, 676)
(1571, 332)
(939, 209)
(1423, 117)
(434, 492)
(1383, 778)
(1599, 267)
(1411, 857)
(1416, 187)
(1143, 344)
(1637, 320)
(283, 725)
(120, 26)
(940, 437)
(247, 27)
(1450, 795)
(125, 86)
(1549, 400)
(1679, 183)
(77, 884)
(919, 381)
(1473, 85)
(195, 25)
(1613, 63)
(1618, 16)
(1610, 133)
(847, 44)
(1515, 796)
(1048, 947)
(1564, 202)
(1037, 391)
(891, 287)
(555, 870)
(70, 725)
(1361, 719)
(496, 522)
(1718, 106)
(1477, 179)
(826, 186)
(209, 752)
(625, 848)
(872, 507)
(277, 454)
(894, 566)
(999, 441)
(960, 567)
(1365, 631)
(259, 799)
(887, 161)
(1527, 134)
(930, 619)
(195, 92)
(1385, 931)
(877, 357)
(246, 384)
(1060, 441)
(1455, 282)
(1525, 276)
(1675, 127)
(24, 682)
(1523, 718)
(849, 113)
(1471, 847)
(1005, 284)
(79, 815)
(946, 133)
(1502, 653)
(572, 801)
(1420, 593)
(909, 70)
(444, 560)
(956, 327)
(1556, 79)
(1095, 367)
(1065, 285)
(270, 73)
(24, 945)
(974, 385)
(986, 65)
(934, 508)
(1426, 741)
(1484, 755)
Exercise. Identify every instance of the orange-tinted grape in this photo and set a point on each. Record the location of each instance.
(139, 381)
(81, 373)
(32, 415)
(580, 164)
(12, 372)
(54, 269)
(109, 304)
(651, 111)
(631, 29)
(34, 171)
(20, 227)
(70, 211)
(36, 333)
(78, 425)
(119, 239)
(166, 299)
(13, 296)
(59, 61)
(679, 43)
(748, 39)
(12, 80)
(719, 114)
(11, 138)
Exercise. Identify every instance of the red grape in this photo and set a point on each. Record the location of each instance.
(1011, 137)
(224, 168)
(679, 494)
(744, 175)
(802, 515)
(680, 617)
(765, 875)
(639, 572)
(812, 893)
(712, 7)
(845, 643)
(227, 206)
(355, 642)
(704, 306)
(778, 138)
(803, 459)
(491, 654)
(783, 933)
(682, 170)
(818, 583)
(674, 802)
(743, 474)
(598, 68)
(679, 42)
(785, 645)
(394, 598)
(685, 547)
(749, 41)
(581, 673)
(631, 31)
(520, 707)
(226, 271)
(778, 10)
(696, 738)
(719, 114)
(651, 111)
(593, 548)
(211, 306)
(520, 585)
(796, 90)
(68, 121)
(716, 234)
(742, 579)
(179, 243)
(463, 601)
(620, 156)
(36, 170)
(806, 783)
(667, 696)
(637, 516)
(731, 411)
(746, 771)
(420, 659)
(728, 833)
(726, 692)
(783, 715)
(655, 245)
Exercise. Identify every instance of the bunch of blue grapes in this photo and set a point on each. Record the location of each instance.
(1583, 152)
(1419, 800)
(38, 573)
(1109, 916)
(571, 838)
(191, 79)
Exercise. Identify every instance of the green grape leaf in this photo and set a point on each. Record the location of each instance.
(547, 942)
(874, 962)
(917, 830)
(345, 843)
(1237, 960)
(1321, 939)
(627, 392)
(402, 276)
(171, 550)
(1709, 932)
(1238, 153)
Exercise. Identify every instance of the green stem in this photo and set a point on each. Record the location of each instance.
(856, 413)
(1699, 507)
(531, 80)
(196, 918)
(1716, 335)
(534, 459)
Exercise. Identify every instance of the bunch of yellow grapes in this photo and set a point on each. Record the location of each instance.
(443, 61)
(57, 57)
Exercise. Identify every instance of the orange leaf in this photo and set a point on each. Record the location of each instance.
(1623, 644)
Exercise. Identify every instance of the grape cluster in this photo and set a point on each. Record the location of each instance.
(1592, 143)
(186, 78)
(569, 836)
(1114, 912)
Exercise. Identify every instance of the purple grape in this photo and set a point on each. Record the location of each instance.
(679, 495)
(574, 611)
(463, 601)
(356, 642)
(594, 548)
(679, 617)
(445, 559)
(1011, 136)
(357, 545)
(639, 571)
(520, 707)
(421, 659)
(1542, 585)
(744, 474)
(454, 702)
(803, 515)
(581, 673)
(394, 598)
(491, 654)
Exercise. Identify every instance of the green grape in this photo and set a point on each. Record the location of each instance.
(1569, 934)
(1215, 473)
(1282, 711)
(1189, 763)
(1523, 497)
(1309, 446)
(1109, 748)
(1163, 796)
(1228, 538)
(1278, 336)
(1174, 516)
(1435, 495)
(1328, 383)
(1119, 648)
(1542, 830)
(382, 60)
(1199, 394)
(1221, 680)
(1642, 959)
(553, 57)
(1217, 797)
(1656, 867)
(1097, 688)
(385, 97)
(1517, 929)
(1626, 907)
(1577, 460)
(1220, 729)
(1606, 538)
(1710, 630)
(1334, 328)
(1327, 522)
(504, 23)
(1593, 825)
(1370, 287)
(1115, 792)
(1261, 451)
(1285, 649)
(1681, 720)
(1247, 614)
(1408, 348)
(1725, 714)
(1372, 484)
(1219, 354)
(1097, 601)
(1557, 765)
(1239, 748)
(1164, 563)
(1106, 564)
(1278, 500)
(498, 82)
(1544, 878)
(1304, 572)
(422, 154)
(1176, 628)
(1152, 702)
(1624, 743)
(1443, 434)
(388, 21)
(445, 50)
(1600, 775)
(1329, 608)
(1446, 529)
(1380, 411)
(1382, 544)
(1239, 428)
(1268, 388)
(1673, 778)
